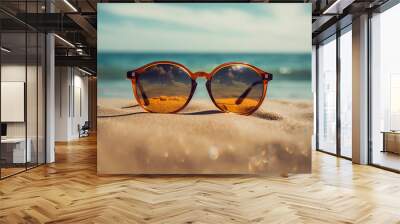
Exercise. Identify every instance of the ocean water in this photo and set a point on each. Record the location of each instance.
(292, 72)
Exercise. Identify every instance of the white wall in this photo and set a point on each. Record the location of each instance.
(62, 82)
(71, 87)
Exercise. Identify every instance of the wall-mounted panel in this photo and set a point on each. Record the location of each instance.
(12, 101)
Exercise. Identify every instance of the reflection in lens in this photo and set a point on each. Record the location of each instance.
(163, 88)
(237, 88)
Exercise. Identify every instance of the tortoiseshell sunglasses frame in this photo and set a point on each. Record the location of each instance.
(132, 75)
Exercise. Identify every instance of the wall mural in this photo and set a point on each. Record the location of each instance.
(189, 88)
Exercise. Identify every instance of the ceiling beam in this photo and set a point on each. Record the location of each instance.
(81, 61)
(49, 22)
(86, 26)
(337, 7)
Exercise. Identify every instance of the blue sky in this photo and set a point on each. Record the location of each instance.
(189, 27)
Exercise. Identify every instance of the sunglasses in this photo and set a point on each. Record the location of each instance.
(167, 87)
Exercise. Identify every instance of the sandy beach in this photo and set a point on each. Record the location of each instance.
(202, 140)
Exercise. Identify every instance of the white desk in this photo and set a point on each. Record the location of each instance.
(18, 150)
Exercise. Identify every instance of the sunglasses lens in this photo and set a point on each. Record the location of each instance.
(237, 88)
(163, 88)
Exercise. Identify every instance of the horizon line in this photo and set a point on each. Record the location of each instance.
(203, 52)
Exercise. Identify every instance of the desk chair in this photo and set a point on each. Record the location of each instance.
(84, 130)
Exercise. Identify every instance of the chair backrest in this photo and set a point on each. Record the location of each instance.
(86, 125)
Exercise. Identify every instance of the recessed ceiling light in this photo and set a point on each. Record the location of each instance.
(337, 7)
(5, 50)
(64, 40)
(84, 71)
(70, 5)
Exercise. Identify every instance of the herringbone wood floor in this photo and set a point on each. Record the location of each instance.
(69, 191)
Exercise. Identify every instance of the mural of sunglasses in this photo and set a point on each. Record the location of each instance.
(167, 87)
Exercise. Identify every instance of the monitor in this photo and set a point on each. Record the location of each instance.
(3, 129)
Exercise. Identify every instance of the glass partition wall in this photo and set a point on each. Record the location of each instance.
(327, 96)
(385, 89)
(22, 78)
(346, 95)
(334, 105)
(13, 110)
